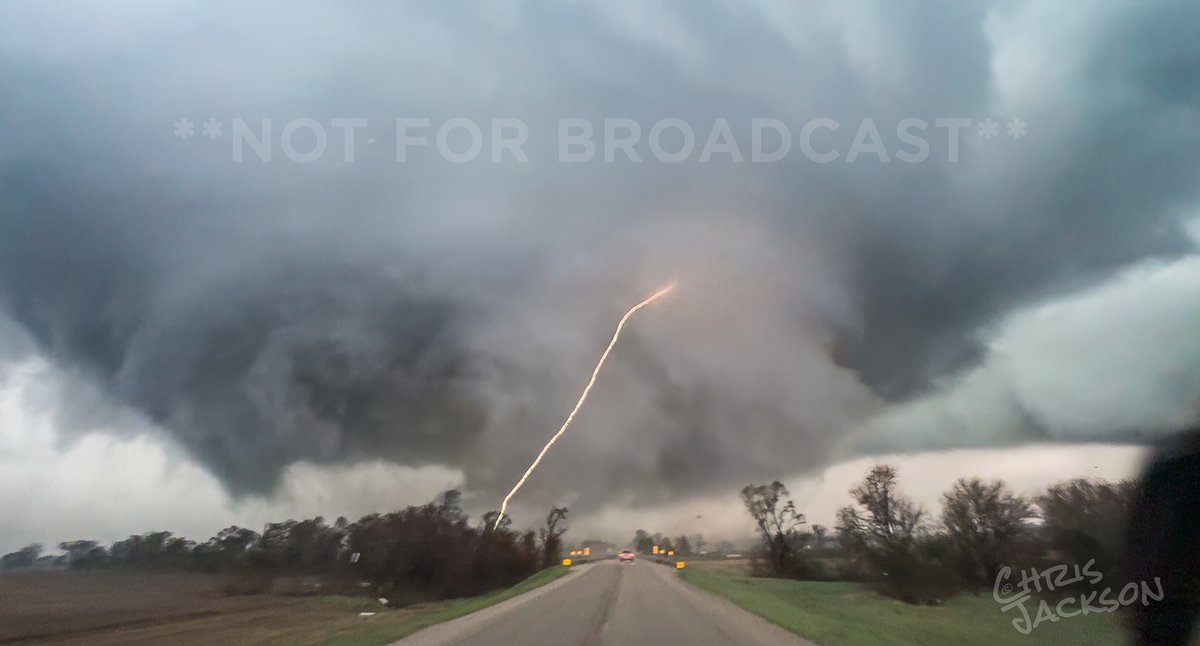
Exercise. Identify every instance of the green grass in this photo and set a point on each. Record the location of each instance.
(833, 614)
(384, 629)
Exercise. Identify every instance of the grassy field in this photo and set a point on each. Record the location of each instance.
(722, 566)
(836, 614)
(110, 608)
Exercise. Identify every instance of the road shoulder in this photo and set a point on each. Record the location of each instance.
(751, 628)
(461, 627)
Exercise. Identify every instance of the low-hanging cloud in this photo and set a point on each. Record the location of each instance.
(431, 313)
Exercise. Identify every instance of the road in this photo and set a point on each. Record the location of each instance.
(610, 604)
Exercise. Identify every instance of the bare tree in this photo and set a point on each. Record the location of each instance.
(885, 530)
(777, 521)
(984, 521)
(551, 535)
(881, 517)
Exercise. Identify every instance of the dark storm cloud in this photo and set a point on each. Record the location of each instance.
(429, 312)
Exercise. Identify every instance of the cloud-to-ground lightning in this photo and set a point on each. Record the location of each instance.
(582, 397)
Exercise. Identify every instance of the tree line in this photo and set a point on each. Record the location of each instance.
(422, 551)
(882, 537)
(683, 545)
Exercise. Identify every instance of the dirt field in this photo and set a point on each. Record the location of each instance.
(126, 608)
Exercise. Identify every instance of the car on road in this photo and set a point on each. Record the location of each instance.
(626, 556)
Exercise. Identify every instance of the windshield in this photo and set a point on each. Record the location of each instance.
(599, 322)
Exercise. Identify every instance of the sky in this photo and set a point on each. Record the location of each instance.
(281, 260)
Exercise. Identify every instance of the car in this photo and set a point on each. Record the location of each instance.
(626, 556)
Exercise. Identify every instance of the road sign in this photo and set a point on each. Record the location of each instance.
(679, 565)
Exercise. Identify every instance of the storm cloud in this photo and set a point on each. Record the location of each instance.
(431, 313)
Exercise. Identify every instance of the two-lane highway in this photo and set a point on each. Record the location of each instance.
(609, 604)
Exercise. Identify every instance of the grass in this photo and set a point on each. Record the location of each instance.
(833, 614)
(385, 628)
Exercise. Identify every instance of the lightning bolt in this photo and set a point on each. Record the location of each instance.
(582, 398)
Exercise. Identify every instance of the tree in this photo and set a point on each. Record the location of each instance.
(551, 536)
(488, 522)
(278, 538)
(683, 546)
(819, 533)
(83, 553)
(885, 529)
(24, 557)
(316, 543)
(698, 543)
(881, 517)
(777, 521)
(643, 542)
(144, 550)
(415, 554)
(305, 544)
(1080, 516)
(235, 539)
(178, 548)
(449, 505)
(984, 521)
(227, 549)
